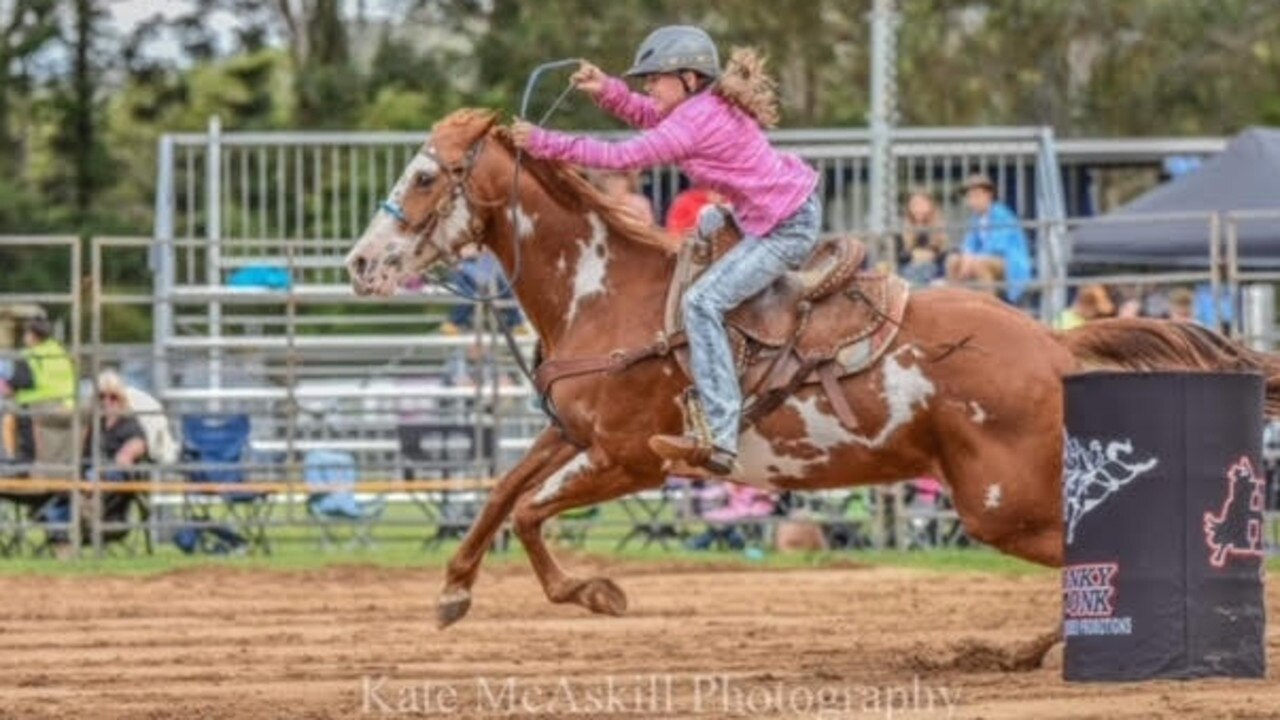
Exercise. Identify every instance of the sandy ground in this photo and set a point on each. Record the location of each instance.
(360, 642)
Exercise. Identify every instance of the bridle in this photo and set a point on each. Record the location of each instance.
(459, 175)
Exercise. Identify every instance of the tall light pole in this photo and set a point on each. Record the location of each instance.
(884, 110)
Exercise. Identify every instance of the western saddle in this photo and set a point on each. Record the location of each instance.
(814, 325)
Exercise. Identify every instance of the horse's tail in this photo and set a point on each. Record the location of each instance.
(1146, 344)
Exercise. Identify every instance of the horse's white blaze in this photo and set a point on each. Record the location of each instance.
(384, 234)
(593, 262)
(420, 164)
(554, 484)
(977, 413)
(992, 499)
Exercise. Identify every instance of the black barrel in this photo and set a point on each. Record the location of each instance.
(1163, 492)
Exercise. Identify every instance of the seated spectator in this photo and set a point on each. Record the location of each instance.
(42, 382)
(730, 525)
(120, 437)
(682, 216)
(922, 243)
(1182, 305)
(111, 449)
(1214, 315)
(623, 187)
(1128, 302)
(1092, 302)
(995, 247)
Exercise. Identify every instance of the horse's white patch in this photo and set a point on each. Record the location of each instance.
(593, 261)
(454, 227)
(992, 499)
(905, 389)
(760, 463)
(553, 485)
(524, 223)
(977, 413)
(666, 370)
(823, 431)
(561, 265)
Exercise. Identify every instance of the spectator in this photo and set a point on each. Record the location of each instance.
(623, 187)
(682, 217)
(110, 449)
(995, 247)
(42, 382)
(120, 437)
(1092, 302)
(479, 274)
(737, 520)
(922, 243)
(1182, 305)
(1214, 315)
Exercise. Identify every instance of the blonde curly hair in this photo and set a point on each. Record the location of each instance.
(746, 84)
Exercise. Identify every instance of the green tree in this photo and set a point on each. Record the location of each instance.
(26, 28)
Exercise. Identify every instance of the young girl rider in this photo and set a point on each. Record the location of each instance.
(712, 127)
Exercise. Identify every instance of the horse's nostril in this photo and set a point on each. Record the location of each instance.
(360, 265)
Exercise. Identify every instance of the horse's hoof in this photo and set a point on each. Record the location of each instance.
(452, 607)
(602, 596)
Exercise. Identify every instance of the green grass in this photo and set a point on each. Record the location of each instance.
(296, 548)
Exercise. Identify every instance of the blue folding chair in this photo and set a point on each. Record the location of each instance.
(331, 501)
(217, 446)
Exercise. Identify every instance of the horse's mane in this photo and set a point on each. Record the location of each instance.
(575, 192)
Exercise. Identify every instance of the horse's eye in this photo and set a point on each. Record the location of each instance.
(424, 180)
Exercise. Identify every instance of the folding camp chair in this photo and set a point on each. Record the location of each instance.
(651, 515)
(216, 446)
(331, 501)
(441, 451)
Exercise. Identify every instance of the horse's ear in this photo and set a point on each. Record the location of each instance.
(465, 126)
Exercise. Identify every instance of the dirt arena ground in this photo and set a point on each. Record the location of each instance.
(359, 642)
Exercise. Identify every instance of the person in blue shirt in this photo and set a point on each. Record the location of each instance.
(995, 247)
(1217, 316)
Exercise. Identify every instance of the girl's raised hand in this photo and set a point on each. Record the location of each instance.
(589, 79)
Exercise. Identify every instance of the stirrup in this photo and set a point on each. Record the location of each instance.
(686, 455)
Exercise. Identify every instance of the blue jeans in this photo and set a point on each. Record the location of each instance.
(751, 266)
(479, 276)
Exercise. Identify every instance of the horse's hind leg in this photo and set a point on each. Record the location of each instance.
(1008, 494)
(578, 487)
(548, 454)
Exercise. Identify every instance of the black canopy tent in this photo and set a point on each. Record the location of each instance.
(1244, 176)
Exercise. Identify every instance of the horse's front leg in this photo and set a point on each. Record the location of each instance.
(586, 480)
(549, 453)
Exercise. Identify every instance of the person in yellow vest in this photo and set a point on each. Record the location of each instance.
(43, 384)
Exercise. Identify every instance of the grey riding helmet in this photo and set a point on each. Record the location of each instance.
(674, 48)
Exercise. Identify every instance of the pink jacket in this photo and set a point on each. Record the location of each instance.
(716, 144)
